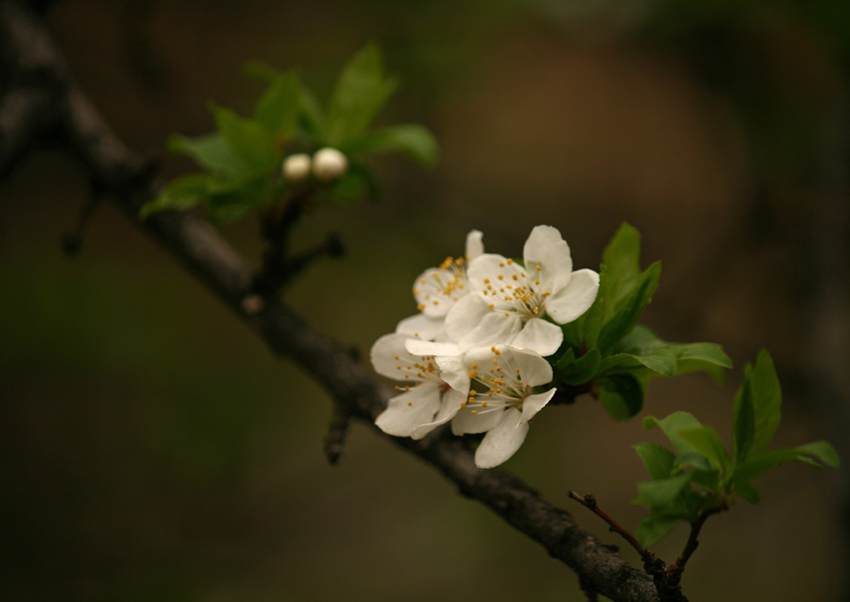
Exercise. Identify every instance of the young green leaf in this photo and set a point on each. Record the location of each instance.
(572, 371)
(411, 139)
(748, 492)
(210, 152)
(689, 357)
(360, 93)
(248, 140)
(659, 460)
(179, 194)
(706, 441)
(661, 494)
(757, 409)
(278, 109)
(658, 362)
(653, 527)
(671, 425)
(812, 454)
(621, 395)
(623, 316)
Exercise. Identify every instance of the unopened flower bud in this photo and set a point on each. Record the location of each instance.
(329, 164)
(296, 168)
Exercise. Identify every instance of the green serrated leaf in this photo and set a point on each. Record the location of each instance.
(360, 93)
(179, 194)
(624, 315)
(659, 460)
(810, 454)
(312, 117)
(694, 460)
(247, 139)
(279, 107)
(671, 425)
(411, 139)
(572, 371)
(658, 362)
(652, 528)
(621, 395)
(706, 441)
(661, 494)
(210, 152)
(748, 492)
(757, 409)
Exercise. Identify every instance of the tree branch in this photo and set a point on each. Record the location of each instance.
(26, 115)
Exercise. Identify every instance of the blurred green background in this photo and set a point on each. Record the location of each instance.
(152, 447)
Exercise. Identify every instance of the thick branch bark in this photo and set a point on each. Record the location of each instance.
(25, 114)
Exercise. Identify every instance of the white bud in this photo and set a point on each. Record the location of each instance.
(329, 164)
(296, 168)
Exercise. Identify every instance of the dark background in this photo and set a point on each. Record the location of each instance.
(152, 448)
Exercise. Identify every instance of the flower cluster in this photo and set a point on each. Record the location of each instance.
(474, 355)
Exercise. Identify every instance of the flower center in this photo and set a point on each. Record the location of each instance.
(447, 283)
(517, 293)
(499, 385)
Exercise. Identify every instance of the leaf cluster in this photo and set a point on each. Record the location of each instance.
(607, 352)
(699, 475)
(241, 159)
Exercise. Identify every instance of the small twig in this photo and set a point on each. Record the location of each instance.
(675, 570)
(589, 502)
(337, 431)
(72, 240)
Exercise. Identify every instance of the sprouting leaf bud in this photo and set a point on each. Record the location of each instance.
(329, 164)
(296, 168)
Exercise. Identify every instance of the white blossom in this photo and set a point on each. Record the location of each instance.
(511, 302)
(436, 291)
(296, 167)
(502, 399)
(426, 399)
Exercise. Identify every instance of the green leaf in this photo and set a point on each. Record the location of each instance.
(179, 194)
(261, 71)
(621, 395)
(248, 140)
(748, 492)
(278, 109)
(412, 139)
(694, 460)
(660, 494)
(706, 441)
(360, 93)
(210, 152)
(628, 309)
(312, 116)
(652, 528)
(810, 454)
(658, 362)
(700, 357)
(688, 357)
(572, 371)
(659, 460)
(757, 410)
(671, 425)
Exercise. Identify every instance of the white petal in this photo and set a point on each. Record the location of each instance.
(495, 329)
(409, 410)
(465, 315)
(494, 271)
(547, 249)
(449, 406)
(420, 348)
(534, 403)
(534, 370)
(576, 298)
(503, 441)
(421, 326)
(453, 371)
(429, 291)
(466, 422)
(540, 336)
(388, 353)
(474, 246)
